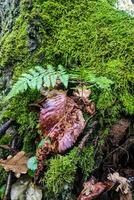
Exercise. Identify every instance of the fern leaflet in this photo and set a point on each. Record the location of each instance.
(38, 77)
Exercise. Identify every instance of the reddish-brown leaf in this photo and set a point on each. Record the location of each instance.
(61, 120)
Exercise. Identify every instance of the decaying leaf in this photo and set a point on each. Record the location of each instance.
(17, 164)
(87, 104)
(82, 92)
(123, 186)
(92, 190)
(62, 121)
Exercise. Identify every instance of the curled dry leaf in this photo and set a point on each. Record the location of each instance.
(17, 164)
(123, 185)
(83, 95)
(92, 190)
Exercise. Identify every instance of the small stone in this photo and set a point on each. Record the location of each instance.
(126, 5)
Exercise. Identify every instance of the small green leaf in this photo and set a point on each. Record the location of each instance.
(37, 77)
(31, 173)
(64, 79)
(40, 69)
(2, 190)
(61, 69)
(63, 76)
(52, 75)
(32, 163)
(39, 82)
(53, 80)
(32, 84)
(42, 142)
(103, 82)
(47, 82)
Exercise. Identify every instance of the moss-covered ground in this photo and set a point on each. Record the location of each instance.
(79, 34)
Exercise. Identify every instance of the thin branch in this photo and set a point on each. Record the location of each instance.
(8, 147)
(10, 175)
(5, 126)
(8, 186)
(86, 137)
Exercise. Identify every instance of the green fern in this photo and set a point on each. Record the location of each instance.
(38, 77)
(101, 82)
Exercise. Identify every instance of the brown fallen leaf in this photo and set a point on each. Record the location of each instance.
(16, 164)
(6, 147)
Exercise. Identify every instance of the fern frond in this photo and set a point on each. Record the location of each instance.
(38, 77)
(50, 77)
(101, 82)
(63, 76)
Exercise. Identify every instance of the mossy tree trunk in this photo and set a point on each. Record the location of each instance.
(87, 35)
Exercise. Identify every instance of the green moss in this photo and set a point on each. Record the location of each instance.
(6, 139)
(19, 109)
(15, 42)
(128, 102)
(87, 162)
(61, 173)
(3, 176)
(99, 39)
(86, 34)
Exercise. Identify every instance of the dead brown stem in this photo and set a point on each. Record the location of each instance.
(86, 137)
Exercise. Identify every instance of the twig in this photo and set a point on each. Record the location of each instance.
(8, 147)
(8, 186)
(123, 147)
(10, 175)
(5, 126)
(86, 137)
